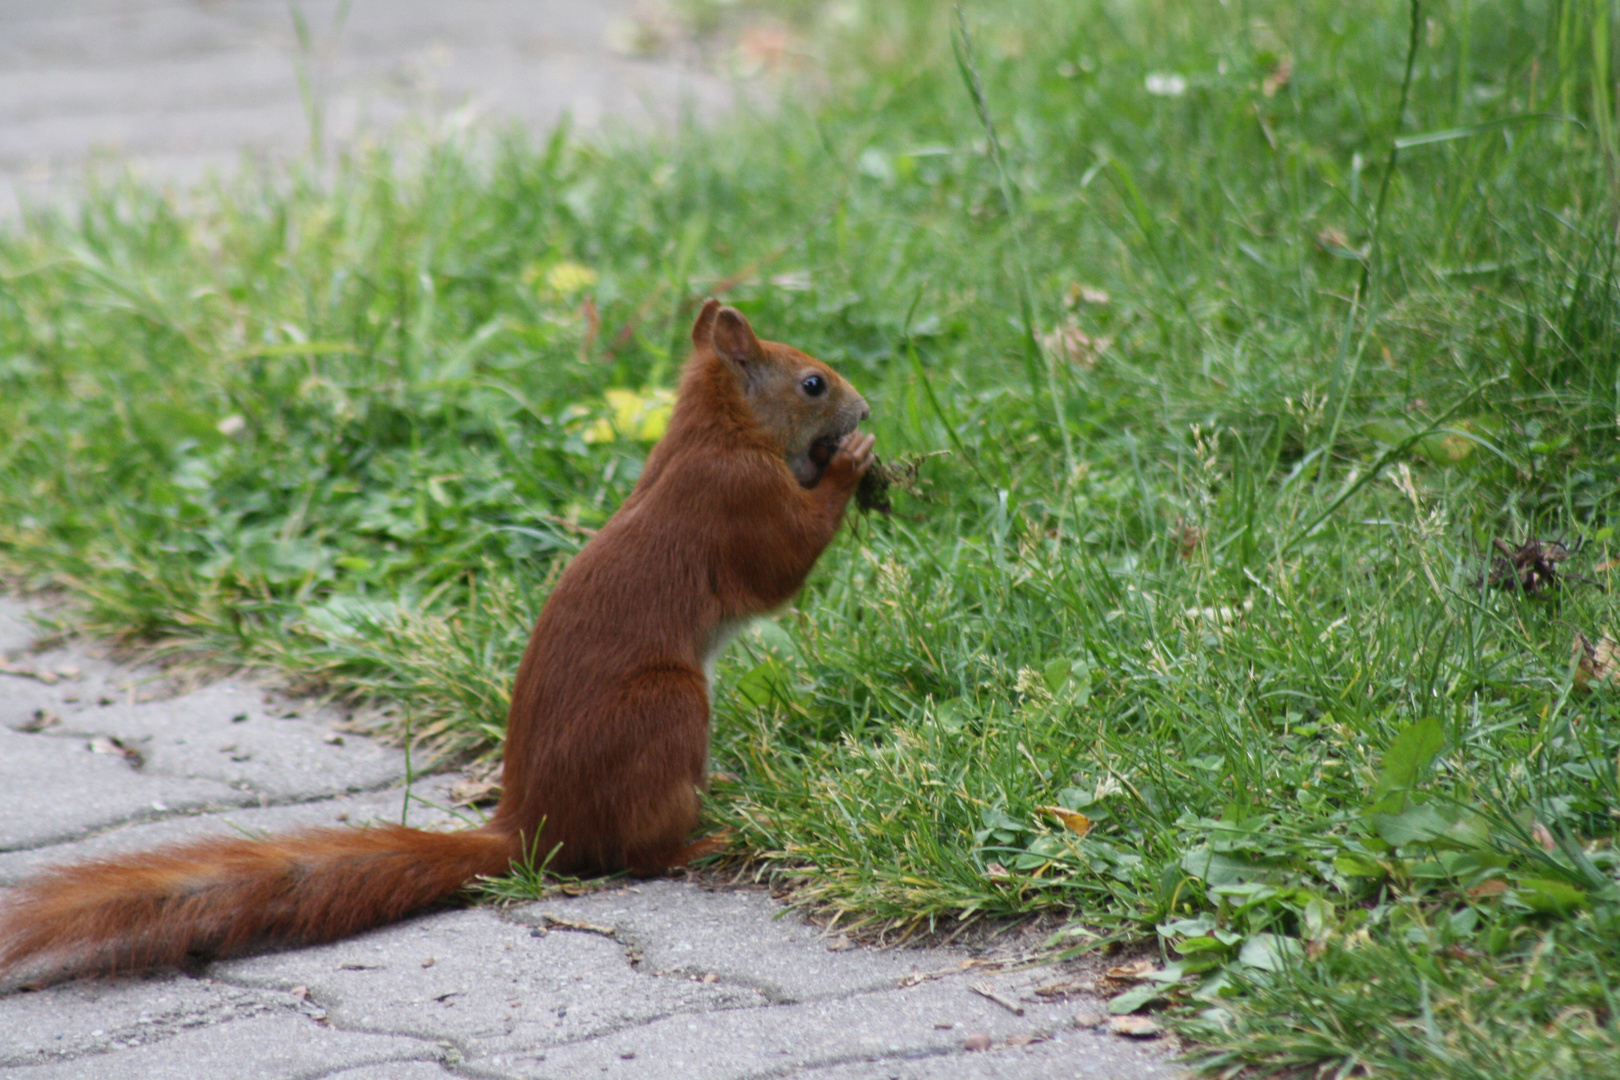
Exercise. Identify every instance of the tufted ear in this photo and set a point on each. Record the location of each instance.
(703, 329)
(733, 339)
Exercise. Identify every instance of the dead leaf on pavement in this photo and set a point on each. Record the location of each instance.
(1137, 1027)
(111, 744)
(1066, 987)
(1135, 970)
(1026, 1038)
(986, 990)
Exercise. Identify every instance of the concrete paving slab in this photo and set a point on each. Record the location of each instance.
(177, 90)
(395, 1070)
(740, 936)
(99, 1016)
(281, 1045)
(928, 1021)
(105, 791)
(17, 630)
(429, 794)
(488, 986)
(229, 744)
(227, 733)
(1068, 1055)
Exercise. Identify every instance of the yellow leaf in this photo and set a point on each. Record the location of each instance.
(1455, 447)
(640, 415)
(567, 278)
(1073, 820)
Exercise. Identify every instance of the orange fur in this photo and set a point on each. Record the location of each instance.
(607, 738)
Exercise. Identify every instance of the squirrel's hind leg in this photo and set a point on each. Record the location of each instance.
(659, 797)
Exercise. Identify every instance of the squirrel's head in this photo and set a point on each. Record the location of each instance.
(803, 404)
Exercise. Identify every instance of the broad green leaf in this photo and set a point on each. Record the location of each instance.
(1547, 896)
(1408, 755)
(1135, 998)
(1269, 952)
(1056, 673)
(1351, 866)
(1418, 824)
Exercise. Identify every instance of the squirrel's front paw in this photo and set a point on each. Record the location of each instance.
(852, 459)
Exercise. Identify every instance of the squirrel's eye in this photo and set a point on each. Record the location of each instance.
(814, 385)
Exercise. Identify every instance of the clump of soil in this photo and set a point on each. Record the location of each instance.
(1532, 567)
(904, 474)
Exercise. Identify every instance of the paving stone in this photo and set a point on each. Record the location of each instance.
(105, 790)
(280, 1046)
(225, 733)
(92, 1017)
(741, 936)
(181, 90)
(220, 746)
(895, 1026)
(492, 987)
(398, 1070)
(17, 630)
(1068, 1055)
(353, 810)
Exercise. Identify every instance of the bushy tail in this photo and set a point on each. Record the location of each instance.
(218, 897)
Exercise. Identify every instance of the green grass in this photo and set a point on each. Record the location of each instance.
(1218, 584)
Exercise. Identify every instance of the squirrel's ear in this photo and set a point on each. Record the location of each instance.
(703, 329)
(733, 339)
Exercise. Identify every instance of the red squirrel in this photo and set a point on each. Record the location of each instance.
(607, 739)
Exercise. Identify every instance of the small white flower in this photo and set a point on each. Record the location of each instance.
(1163, 84)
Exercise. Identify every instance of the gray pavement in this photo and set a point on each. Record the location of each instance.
(179, 89)
(653, 979)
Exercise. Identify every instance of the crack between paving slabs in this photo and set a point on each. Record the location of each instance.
(634, 955)
(453, 1049)
(465, 1063)
(796, 1068)
(632, 959)
(450, 1068)
(462, 1053)
(179, 1024)
(773, 994)
(254, 800)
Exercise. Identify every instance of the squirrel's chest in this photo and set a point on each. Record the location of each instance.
(722, 635)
